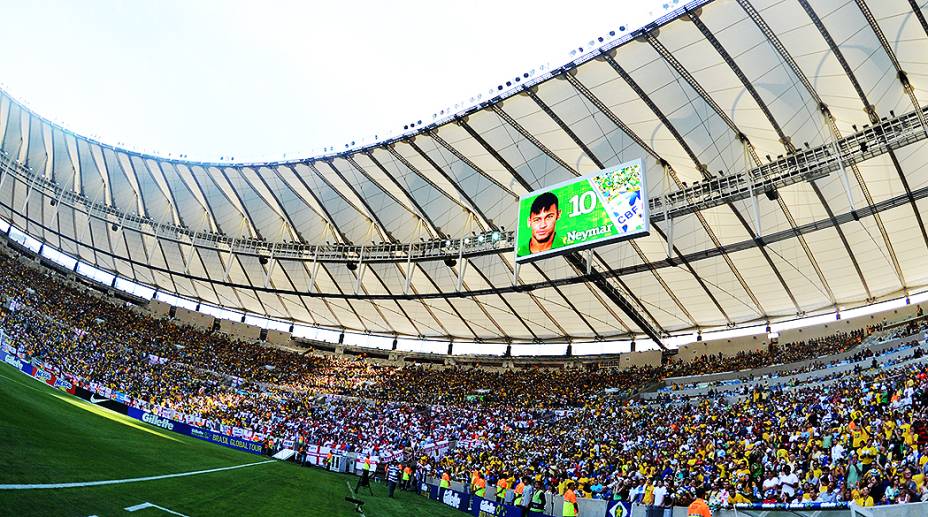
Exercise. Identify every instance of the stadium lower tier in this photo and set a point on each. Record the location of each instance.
(861, 436)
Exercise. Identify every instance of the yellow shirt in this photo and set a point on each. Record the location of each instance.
(739, 498)
(859, 438)
(919, 480)
(888, 427)
(867, 454)
(648, 494)
(861, 501)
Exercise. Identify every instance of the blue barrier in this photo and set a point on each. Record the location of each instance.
(453, 498)
(792, 506)
(119, 404)
(486, 508)
(479, 507)
(196, 432)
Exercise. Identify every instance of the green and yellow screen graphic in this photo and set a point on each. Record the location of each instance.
(580, 213)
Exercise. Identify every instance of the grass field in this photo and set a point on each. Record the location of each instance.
(50, 437)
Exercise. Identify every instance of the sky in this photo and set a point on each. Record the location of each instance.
(274, 80)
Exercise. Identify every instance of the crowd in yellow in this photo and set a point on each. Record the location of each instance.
(862, 437)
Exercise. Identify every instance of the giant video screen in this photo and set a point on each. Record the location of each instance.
(584, 212)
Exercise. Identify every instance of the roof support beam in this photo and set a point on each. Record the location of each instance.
(471, 207)
(805, 229)
(829, 118)
(617, 297)
(367, 211)
(547, 152)
(748, 86)
(385, 232)
(784, 140)
(750, 152)
(467, 161)
(595, 101)
(321, 210)
(910, 92)
(495, 154)
(699, 166)
(874, 118)
(919, 15)
(490, 149)
(532, 93)
(419, 211)
(573, 136)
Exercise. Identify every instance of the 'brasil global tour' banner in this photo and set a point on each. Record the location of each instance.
(207, 435)
(588, 211)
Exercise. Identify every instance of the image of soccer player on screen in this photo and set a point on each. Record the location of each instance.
(542, 219)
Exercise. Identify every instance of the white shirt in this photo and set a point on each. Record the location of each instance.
(659, 493)
(771, 484)
(788, 484)
(837, 452)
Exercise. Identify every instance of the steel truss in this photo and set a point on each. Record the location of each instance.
(805, 165)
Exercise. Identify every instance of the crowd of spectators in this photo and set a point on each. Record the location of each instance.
(772, 355)
(862, 437)
(787, 376)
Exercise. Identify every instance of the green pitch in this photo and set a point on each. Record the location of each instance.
(50, 437)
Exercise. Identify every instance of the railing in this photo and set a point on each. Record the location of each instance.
(807, 165)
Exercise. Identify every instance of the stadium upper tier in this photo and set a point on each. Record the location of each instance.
(783, 143)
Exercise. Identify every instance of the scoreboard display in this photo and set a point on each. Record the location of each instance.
(588, 211)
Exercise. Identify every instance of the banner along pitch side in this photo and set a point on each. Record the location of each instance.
(591, 210)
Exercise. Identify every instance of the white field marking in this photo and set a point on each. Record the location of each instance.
(354, 496)
(129, 480)
(146, 504)
(5, 376)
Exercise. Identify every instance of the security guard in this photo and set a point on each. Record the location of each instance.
(537, 507)
(501, 486)
(444, 484)
(699, 508)
(407, 475)
(517, 501)
(480, 486)
(571, 508)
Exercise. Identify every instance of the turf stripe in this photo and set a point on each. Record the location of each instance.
(111, 415)
(87, 406)
(129, 480)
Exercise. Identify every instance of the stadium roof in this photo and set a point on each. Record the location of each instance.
(813, 106)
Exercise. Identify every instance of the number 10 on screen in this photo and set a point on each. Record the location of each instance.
(584, 212)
